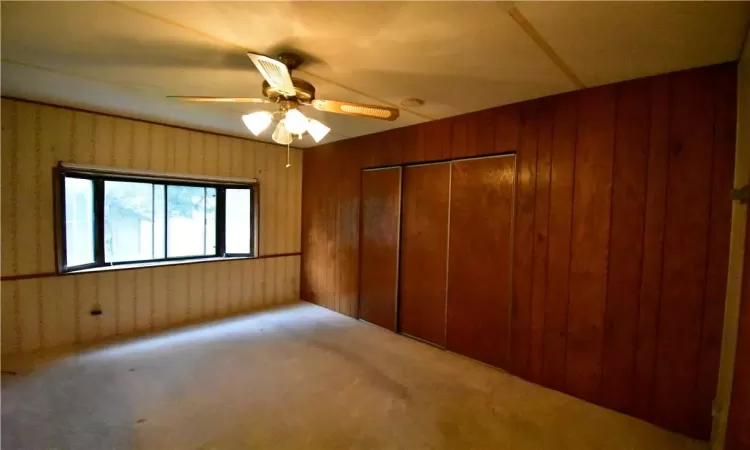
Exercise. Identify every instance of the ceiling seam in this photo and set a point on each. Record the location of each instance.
(529, 29)
(244, 50)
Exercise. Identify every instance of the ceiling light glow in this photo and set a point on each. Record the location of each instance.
(317, 130)
(258, 121)
(296, 122)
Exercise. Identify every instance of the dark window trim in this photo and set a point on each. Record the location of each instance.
(98, 180)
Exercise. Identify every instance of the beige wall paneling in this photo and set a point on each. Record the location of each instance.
(157, 149)
(178, 302)
(144, 300)
(196, 154)
(9, 190)
(125, 301)
(141, 145)
(26, 211)
(52, 311)
(52, 140)
(210, 290)
(259, 280)
(106, 301)
(195, 291)
(160, 297)
(29, 313)
(9, 316)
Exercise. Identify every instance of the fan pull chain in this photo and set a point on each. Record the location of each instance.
(288, 165)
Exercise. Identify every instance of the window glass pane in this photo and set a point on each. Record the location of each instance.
(238, 221)
(79, 221)
(210, 221)
(128, 221)
(159, 225)
(186, 221)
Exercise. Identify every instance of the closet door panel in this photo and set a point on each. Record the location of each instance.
(379, 234)
(424, 252)
(479, 269)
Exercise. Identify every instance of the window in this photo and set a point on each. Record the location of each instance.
(110, 219)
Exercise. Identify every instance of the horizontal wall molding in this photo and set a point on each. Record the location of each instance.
(32, 276)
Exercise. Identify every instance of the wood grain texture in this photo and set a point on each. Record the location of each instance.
(379, 244)
(424, 252)
(523, 241)
(541, 243)
(592, 200)
(626, 245)
(49, 311)
(479, 258)
(637, 226)
(685, 248)
(653, 247)
(560, 215)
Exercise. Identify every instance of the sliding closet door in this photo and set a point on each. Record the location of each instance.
(379, 241)
(479, 270)
(424, 252)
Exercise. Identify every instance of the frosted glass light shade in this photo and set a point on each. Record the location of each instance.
(317, 130)
(296, 122)
(281, 134)
(258, 121)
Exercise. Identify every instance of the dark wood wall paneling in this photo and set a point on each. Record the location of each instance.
(622, 215)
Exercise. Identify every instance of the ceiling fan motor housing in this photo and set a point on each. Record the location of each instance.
(305, 92)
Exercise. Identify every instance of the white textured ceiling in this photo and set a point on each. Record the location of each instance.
(125, 57)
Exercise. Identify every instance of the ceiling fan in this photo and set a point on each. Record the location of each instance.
(290, 94)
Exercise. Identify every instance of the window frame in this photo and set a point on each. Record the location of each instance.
(98, 185)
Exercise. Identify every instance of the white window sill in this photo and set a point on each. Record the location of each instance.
(141, 265)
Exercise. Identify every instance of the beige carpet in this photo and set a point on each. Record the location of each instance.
(294, 378)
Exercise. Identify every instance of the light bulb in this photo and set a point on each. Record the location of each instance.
(281, 134)
(296, 122)
(317, 130)
(258, 121)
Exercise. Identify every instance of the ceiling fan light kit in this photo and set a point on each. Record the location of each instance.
(290, 94)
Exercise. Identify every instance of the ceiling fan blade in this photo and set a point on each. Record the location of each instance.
(356, 109)
(218, 99)
(275, 72)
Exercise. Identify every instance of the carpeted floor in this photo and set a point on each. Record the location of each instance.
(294, 378)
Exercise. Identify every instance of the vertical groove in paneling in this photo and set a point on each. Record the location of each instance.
(541, 243)
(653, 238)
(626, 244)
(9, 317)
(685, 247)
(9, 190)
(560, 226)
(141, 145)
(590, 242)
(26, 211)
(523, 256)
